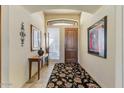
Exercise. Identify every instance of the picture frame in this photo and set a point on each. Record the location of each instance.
(35, 38)
(46, 41)
(97, 38)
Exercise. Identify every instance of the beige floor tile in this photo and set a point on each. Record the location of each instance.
(44, 77)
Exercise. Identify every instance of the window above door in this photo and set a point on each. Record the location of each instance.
(62, 22)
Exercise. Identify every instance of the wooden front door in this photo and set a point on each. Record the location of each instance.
(71, 45)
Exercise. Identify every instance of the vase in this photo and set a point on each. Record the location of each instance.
(40, 52)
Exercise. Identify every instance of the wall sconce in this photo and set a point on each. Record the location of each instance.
(22, 34)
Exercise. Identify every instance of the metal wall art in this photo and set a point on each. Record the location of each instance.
(22, 34)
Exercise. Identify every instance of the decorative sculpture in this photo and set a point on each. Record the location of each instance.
(40, 52)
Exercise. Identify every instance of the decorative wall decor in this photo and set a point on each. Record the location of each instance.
(97, 38)
(46, 41)
(22, 34)
(35, 38)
(40, 52)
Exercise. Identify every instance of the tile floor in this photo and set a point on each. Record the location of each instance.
(44, 77)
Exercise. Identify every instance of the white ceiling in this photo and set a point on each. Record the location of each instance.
(62, 8)
(62, 11)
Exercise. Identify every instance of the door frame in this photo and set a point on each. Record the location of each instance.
(119, 59)
(0, 46)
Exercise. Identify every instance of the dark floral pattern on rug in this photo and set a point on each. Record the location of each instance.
(70, 76)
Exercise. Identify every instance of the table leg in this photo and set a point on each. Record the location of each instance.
(41, 63)
(30, 67)
(38, 70)
(47, 61)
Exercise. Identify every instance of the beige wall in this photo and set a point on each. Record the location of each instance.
(17, 56)
(5, 46)
(119, 47)
(102, 70)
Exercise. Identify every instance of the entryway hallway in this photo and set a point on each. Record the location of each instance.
(83, 58)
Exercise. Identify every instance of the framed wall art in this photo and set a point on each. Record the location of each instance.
(97, 38)
(35, 38)
(47, 42)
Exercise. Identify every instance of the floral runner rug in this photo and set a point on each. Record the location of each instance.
(70, 75)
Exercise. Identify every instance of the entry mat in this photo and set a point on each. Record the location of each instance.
(70, 75)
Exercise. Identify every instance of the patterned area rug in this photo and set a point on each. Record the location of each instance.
(70, 76)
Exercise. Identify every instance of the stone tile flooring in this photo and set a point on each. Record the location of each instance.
(44, 77)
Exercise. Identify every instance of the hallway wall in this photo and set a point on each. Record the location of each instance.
(5, 46)
(102, 70)
(17, 56)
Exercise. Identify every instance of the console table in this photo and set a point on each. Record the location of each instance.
(38, 60)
